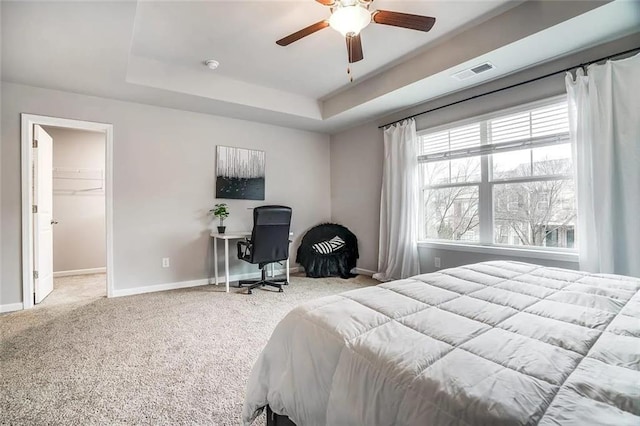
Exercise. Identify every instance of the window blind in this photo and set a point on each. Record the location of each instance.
(530, 128)
(461, 138)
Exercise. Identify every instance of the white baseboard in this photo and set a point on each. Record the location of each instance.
(79, 272)
(363, 271)
(358, 271)
(158, 287)
(11, 307)
(193, 283)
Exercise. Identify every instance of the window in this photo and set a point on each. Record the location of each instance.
(503, 179)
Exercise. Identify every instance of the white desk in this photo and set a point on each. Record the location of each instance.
(237, 235)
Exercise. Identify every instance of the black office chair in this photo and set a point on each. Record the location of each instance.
(269, 243)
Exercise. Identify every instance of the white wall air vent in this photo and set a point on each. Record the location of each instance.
(470, 72)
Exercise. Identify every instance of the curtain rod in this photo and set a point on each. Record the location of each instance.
(511, 86)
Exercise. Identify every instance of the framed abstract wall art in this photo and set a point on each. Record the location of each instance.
(240, 173)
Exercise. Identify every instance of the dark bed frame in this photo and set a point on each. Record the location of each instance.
(274, 419)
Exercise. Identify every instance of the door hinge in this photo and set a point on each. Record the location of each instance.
(35, 143)
(35, 275)
(34, 209)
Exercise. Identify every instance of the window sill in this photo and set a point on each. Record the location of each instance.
(546, 254)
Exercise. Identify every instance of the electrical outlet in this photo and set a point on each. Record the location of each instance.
(165, 262)
(436, 262)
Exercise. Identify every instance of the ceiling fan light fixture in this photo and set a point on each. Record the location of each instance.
(350, 19)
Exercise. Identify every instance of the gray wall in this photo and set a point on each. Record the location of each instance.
(164, 182)
(79, 237)
(356, 178)
(356, 154)
(451, 258)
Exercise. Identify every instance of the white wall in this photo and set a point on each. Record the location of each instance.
(357, 154)
(164, 182)
(79, 236)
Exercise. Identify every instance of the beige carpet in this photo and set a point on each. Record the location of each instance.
(74, 289)
(174, 357)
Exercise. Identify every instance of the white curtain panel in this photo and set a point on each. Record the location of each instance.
(604, 111)
(398, 249)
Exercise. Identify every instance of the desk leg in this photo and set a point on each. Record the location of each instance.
(215, 259)
(287, 266)
(226, 263)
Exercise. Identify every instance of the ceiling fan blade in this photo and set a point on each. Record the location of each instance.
(403, 20)
(354, 48)
(302, 33)
(326, 2)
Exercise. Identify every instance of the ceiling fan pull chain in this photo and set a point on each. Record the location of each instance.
(349, 74)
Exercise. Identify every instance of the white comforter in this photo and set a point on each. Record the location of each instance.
(490, 343)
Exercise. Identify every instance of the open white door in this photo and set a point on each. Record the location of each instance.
(42, 213)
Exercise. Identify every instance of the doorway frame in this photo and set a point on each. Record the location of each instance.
(26, 138)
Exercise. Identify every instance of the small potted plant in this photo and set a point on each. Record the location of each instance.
(221, 211)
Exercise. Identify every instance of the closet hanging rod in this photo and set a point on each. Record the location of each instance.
(584, 64)
(77, 178)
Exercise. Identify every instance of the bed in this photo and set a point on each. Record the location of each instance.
(489, 343)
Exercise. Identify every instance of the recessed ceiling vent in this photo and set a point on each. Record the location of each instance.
(471, 72)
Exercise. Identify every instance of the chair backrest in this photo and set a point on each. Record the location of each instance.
(270, 235)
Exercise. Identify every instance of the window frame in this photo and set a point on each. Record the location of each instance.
(485, 186)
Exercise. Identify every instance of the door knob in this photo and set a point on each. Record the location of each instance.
(54, 222)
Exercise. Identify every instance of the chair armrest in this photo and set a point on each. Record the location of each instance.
(244, 248)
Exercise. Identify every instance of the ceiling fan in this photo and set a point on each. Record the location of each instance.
(349, 17)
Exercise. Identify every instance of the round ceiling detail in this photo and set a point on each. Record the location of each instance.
(212, 64)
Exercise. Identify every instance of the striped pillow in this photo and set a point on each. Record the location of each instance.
(327, 247)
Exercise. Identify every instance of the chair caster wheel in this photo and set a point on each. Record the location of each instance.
(249, 292)
(280, 290)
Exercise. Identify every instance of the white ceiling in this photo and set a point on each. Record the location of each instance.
(152, 52)
(241, 35)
